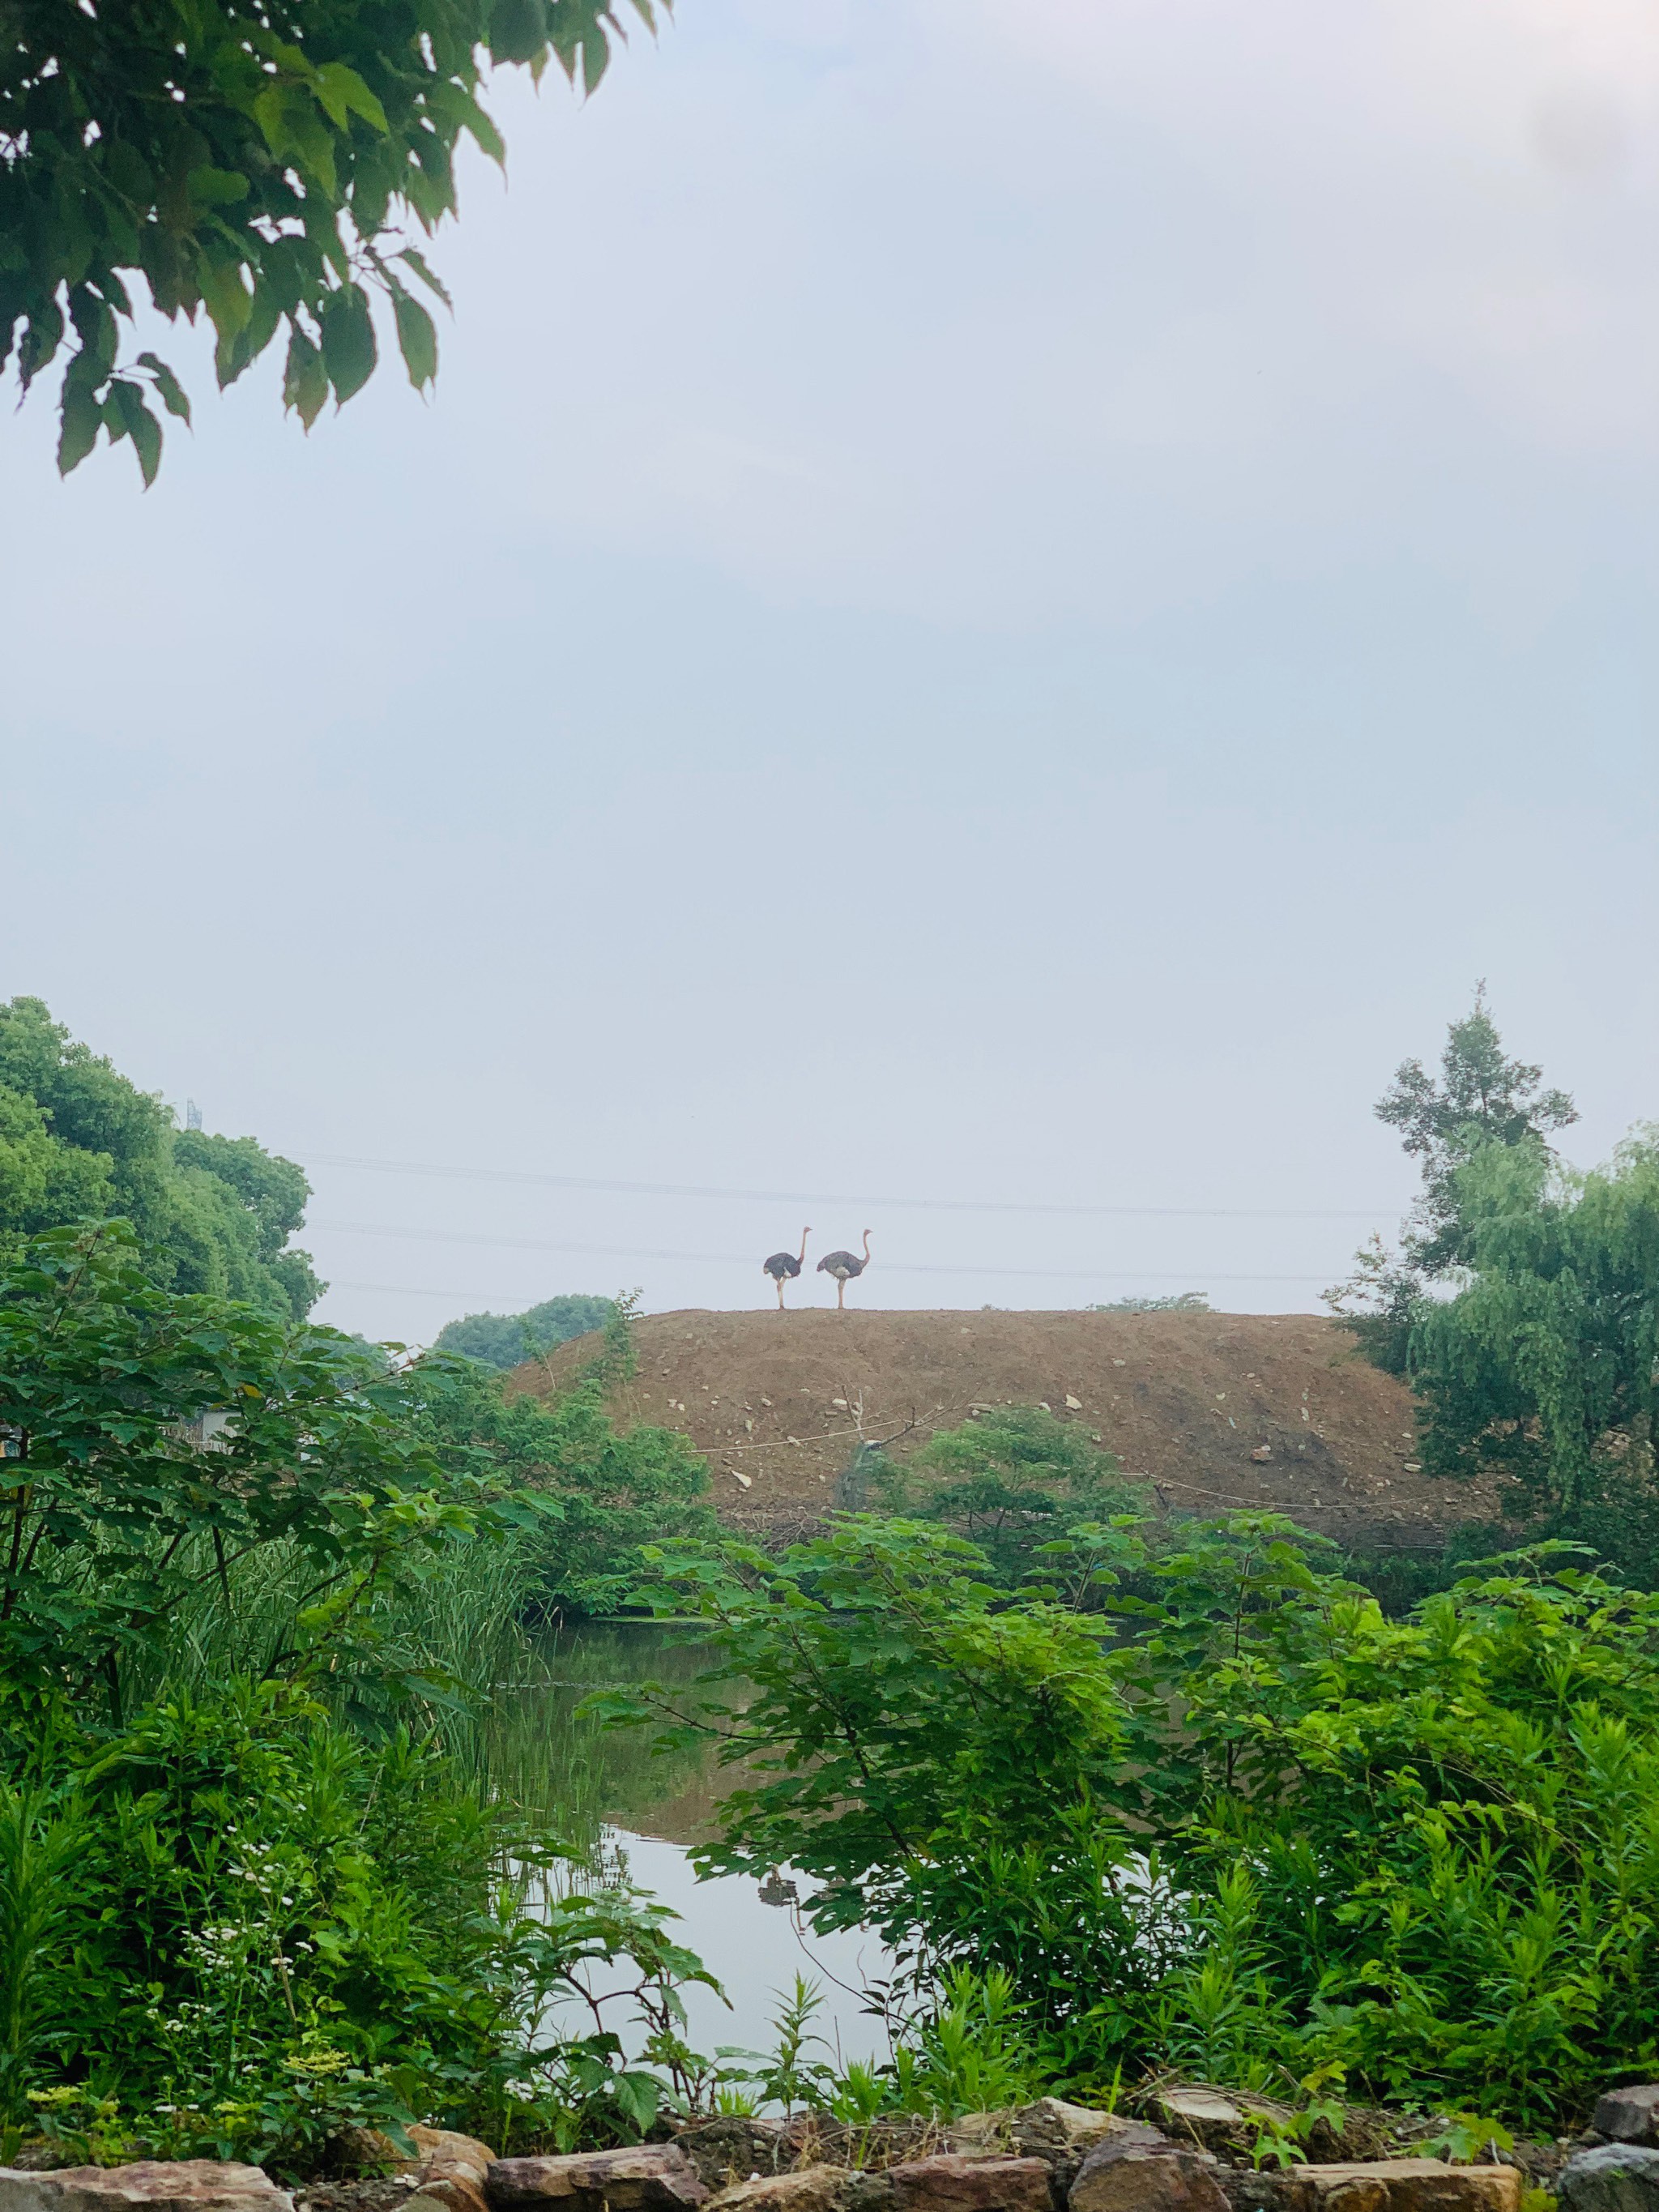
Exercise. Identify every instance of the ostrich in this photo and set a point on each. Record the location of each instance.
(843, 1266)
(784, 1267)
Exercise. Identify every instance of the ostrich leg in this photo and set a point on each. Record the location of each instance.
(780, 1281)
(840, 1294)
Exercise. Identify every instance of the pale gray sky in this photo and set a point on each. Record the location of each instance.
(993, 604)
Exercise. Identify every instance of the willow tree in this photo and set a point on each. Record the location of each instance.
(1545, 1367)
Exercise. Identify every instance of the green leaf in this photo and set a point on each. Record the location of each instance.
(94, 325)
(128, 170)
(416, 261)
(81, 417)
(518, 30)
(141, 426)
(217, 187)
(416, 339)
(227, 297)
(167, 384)
(40, 340)
(341, 91)
(305, 378)
(452, 104)
(349, 351)
(268, 114)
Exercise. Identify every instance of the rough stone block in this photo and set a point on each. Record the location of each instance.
(152, 2184)
(1120, 2175)
(1051, 2127)
(1213, 2119)
(441, 2150)
(809, 2189)
(1629, 2114)
(1618, 2177)
(1247, 2191)
(1403, 2185)
(649, 2178)
(453, 2168)
(948, 2182)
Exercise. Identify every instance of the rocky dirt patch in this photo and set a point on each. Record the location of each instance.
(1215, 1410)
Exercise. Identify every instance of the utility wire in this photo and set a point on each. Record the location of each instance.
(747, 1259)
(844, 1198)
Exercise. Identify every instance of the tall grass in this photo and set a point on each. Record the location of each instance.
(497, 1692)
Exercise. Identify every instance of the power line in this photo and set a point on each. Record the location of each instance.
(845, 1198)
(747, 1258)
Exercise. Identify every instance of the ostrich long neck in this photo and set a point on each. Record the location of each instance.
(867, 1247)
(805, 1234)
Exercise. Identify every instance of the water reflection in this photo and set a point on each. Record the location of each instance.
(634, 1809)
(756, 1949)
(578, 1776)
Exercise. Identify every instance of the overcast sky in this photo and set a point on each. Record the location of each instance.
(993, 604)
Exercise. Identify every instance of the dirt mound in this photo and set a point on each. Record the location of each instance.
(778, 1402)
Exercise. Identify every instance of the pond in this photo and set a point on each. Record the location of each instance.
(640, 1813)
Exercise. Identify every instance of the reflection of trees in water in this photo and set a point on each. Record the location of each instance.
(572, 1775)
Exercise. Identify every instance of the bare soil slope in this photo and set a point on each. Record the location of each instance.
(777, 1403)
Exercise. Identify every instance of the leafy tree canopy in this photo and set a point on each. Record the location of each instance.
(505, 1340)
(168, 1438)
(1545, 1367)
(1479, 1099)
(257, 162)
(77, 1139)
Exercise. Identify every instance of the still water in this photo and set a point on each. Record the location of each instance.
(639, 1811)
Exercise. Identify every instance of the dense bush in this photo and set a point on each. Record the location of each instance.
(1244, 1825)
(177, 1446)
(241, 1929)
(245, 1902)
(1010, 1481)
(603, 1492)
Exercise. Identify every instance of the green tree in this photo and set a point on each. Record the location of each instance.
(258, 162)
(44, 1181)
(504, 1340)
(1545, 1367)
(79, 1140)
(1479, 1099)
(170, 1437)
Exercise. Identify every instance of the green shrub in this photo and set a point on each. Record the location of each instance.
(1009, 1482)
(245, 1905)
(238, 1929)
(1247, 1824)
(603, 1492)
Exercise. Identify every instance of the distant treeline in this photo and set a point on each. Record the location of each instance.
(505, 1340)
(79, 1140)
